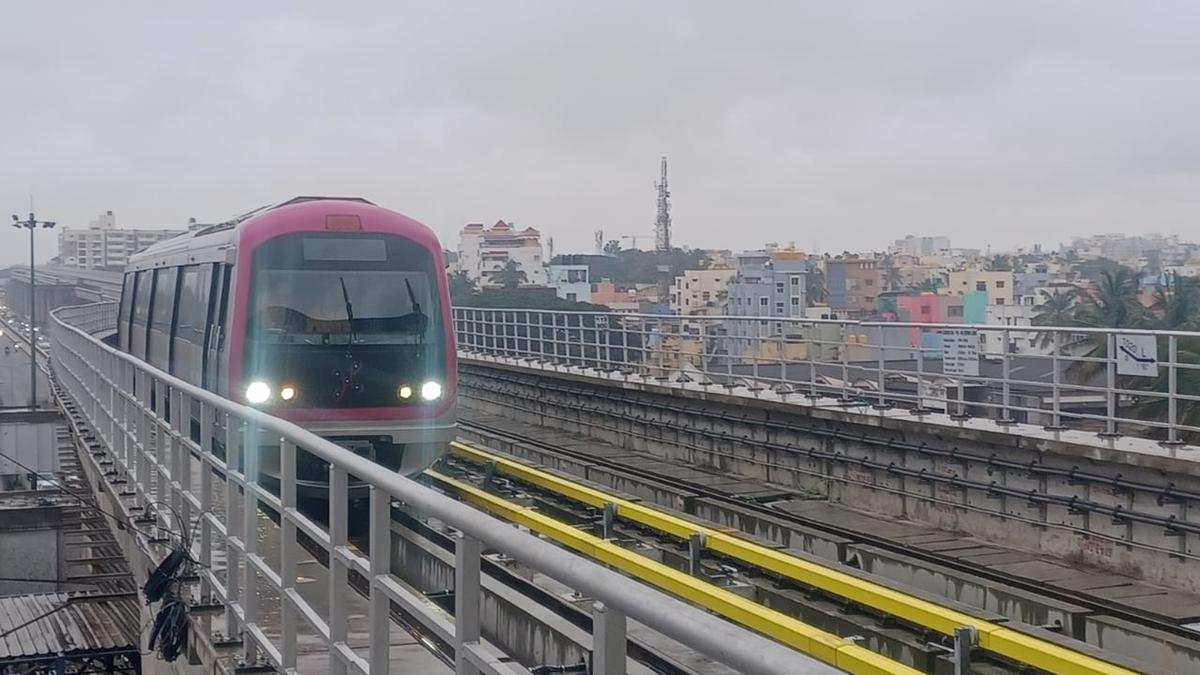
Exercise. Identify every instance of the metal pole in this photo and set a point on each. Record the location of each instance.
(31, 224)
(32, 325)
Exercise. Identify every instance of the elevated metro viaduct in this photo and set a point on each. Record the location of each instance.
(1116, 505)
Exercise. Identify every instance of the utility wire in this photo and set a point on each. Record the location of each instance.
(89, 501)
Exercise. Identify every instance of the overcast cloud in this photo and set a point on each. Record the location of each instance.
(836, 125)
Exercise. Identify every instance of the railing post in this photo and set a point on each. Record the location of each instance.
(467, 595)
(233, 439)
(338, 535)
(920, 409)
(1110, 394)
(181, 474)
(881, 364)
(1056, 383)
(1006, 386)
(206, 502)
(1172, 391)
(845, 363)
(380, 607)
(288, 551)
(608, 640)
(250, 457)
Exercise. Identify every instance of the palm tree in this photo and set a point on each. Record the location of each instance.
(462, 288)
(1177, 303)
(927, 286)
(814, 286)
(1112, 304)
(1057, 310)
(511, 275)
(893, 280)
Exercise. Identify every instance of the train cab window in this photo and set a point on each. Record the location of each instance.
(125, 312)
(346, 319)
(162, 312)
(139, 323)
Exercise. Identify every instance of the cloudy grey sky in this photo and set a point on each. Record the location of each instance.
(837, 125)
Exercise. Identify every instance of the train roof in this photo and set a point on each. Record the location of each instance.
(222, 236)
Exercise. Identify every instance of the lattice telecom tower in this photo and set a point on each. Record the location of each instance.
(662, 224)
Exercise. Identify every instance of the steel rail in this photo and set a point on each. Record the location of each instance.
(1001, 640)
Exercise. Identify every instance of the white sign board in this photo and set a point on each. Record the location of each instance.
(960, 351)
(1137, 355)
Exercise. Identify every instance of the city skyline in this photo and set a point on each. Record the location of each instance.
(833, 127)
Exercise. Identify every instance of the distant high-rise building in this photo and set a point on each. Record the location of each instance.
(103, 245)
(482, 252)
(919, 246)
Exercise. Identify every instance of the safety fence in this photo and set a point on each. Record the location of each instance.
(1132, 382)
(205, 467)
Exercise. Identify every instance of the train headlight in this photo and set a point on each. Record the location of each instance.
(431, 391)
(258, 392)
(287, 392)
(404, 392)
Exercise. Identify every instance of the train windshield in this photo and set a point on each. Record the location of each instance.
(334, 290)
(345, 319)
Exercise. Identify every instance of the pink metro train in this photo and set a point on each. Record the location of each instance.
(332, 313)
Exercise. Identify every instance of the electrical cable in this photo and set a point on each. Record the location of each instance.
(89, 501)
(170, 631)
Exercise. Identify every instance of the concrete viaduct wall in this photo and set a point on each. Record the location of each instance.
(1129, 505)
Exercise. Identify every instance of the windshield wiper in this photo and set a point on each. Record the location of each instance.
(416, 311)
(349, 308)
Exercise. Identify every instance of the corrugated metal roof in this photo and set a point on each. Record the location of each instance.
(54, 623)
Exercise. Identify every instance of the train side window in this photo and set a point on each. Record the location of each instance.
(125, 312)
(191, 321)
(191, 316)
(139, 322)
(162, 314)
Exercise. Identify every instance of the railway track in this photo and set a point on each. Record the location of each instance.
(1092, 602)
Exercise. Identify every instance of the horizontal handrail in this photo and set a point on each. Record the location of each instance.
(156, 451)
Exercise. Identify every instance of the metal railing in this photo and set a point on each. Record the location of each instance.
(208, 473)
(1110, 381)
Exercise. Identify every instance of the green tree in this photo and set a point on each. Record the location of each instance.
(462, 288)
(927, 286)
(1177, 303)
(1113, 303)
(893, 280)
(613, 247)
(511, 275)
(814, 286)
(1057, 309)
(1001, 263)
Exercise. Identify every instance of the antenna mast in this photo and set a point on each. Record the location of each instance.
(662, 224)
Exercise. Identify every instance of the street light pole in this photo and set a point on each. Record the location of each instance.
(31, 224)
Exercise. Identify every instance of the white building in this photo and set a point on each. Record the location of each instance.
(919, 246)
(570, 282)
(482, 252)
(103, 245)
(701, 292)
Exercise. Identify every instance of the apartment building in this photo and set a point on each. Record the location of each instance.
(103, 245)
(701, 292)
(999, 286)
(853, 285)
(482, 252)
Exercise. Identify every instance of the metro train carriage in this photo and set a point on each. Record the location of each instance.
(332, 313)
